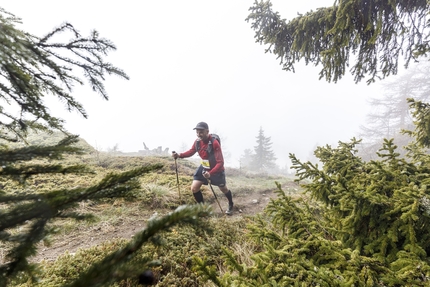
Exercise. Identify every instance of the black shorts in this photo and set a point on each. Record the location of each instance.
(217, 179)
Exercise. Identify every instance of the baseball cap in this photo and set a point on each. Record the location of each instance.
(201, 126)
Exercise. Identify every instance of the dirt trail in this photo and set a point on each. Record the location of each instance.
(95, 235)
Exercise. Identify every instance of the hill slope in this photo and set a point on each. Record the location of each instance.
(122, 218)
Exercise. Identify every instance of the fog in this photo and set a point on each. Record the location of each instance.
(192, 61)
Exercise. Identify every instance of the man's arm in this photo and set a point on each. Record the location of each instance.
(189, 152)
(218, 158)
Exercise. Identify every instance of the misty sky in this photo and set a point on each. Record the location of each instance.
(192, 61)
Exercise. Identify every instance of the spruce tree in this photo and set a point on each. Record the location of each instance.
(246, 159)
(33, 68)
(263, 158)
(357, 224)
(390, 113)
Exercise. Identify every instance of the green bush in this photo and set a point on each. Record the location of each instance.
(359, 224)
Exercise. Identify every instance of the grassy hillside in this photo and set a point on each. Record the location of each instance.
(78, 244)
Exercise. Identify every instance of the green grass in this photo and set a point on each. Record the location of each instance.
(158, 195)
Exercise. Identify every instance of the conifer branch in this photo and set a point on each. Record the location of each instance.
(207, 271)
(34, 68)
(103, 272)
(377, 33)
(50, 205)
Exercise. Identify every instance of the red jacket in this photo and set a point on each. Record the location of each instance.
(217, 165)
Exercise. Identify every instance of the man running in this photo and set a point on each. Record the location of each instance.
(211, 167)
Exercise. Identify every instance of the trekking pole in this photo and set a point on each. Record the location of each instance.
(177, 177)
(216, 198)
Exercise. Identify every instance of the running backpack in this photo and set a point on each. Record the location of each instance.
(214, 137)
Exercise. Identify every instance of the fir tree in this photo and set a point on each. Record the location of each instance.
(263, 158)
(391, 114)
(246, 159)
(358, 224)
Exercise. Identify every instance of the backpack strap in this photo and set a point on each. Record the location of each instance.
(210, 145)
(210, 148)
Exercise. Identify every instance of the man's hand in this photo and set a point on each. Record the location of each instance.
(206, 174)
(175, 155)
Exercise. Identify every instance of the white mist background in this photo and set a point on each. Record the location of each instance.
(192, 61)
